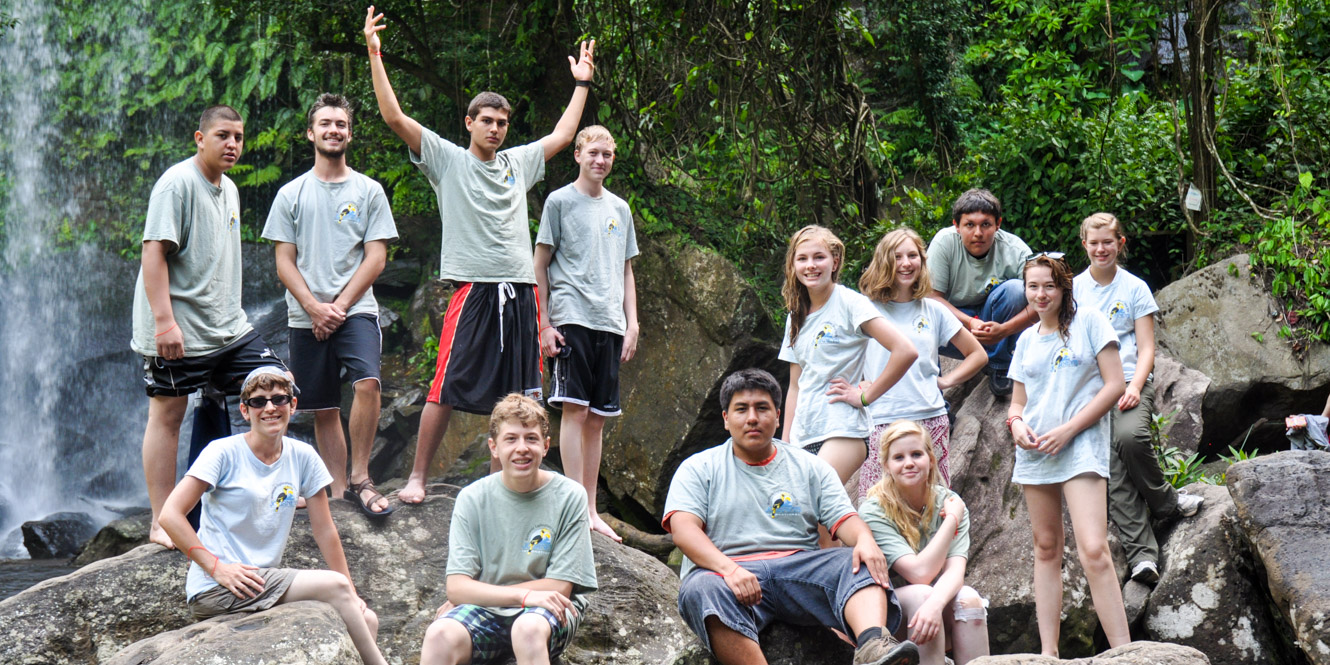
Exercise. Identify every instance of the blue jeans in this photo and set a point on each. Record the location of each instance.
(1004, 302)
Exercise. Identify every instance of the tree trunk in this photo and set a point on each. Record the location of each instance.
(1202, 29)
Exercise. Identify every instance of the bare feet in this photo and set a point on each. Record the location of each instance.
(414, 492)
(158, 535)
(599, 526)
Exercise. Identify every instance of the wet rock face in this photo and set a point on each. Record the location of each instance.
(1222, 322)
(116, 538)
(1208, 596)
(57, 535)
(1283, 506)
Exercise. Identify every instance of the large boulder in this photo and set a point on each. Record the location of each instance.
(58, 535)
(1180, 399)
(1222, 322)
(700, 321)
(1136, 653)
(116, 538)
(304, 633)
(1208, 596)
(1001, 563)
(1283, 506)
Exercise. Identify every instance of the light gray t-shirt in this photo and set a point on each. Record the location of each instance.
(966, 280)
(1061, 377)
(200, 222)
(248, 508)
(501, 537)
(592, 237)
(928, 324)
(894, 545)
(830, 344)
(1123, 300)
(482, 205)
(748, 509)
(329, 223)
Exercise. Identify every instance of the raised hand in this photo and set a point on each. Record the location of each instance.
(372, 29)
(583, 68)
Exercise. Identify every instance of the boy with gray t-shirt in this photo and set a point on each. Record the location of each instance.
(519, 553)
(584, 272)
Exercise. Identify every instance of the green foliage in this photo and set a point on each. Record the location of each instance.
(1179, 468)
(1293, 251)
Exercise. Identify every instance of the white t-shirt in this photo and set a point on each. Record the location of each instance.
(249, 505)
(747, 509)
(929, 325)
(830, 344)
(1061, 377)
(1123, 300)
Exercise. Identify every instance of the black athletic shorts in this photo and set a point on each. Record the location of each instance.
(489, 347)
(224, 368)
(587, 373)
(352, 351)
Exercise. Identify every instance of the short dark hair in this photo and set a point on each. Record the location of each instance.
(749, 379)
(976, 200)
(220, 112)
(490, 100)
(329, 100)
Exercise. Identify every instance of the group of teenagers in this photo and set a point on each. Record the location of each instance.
(758, 519)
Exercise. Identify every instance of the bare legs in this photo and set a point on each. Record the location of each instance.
(332, 446)
(1087, 504)
(433, 425)
(968, 639)
(580, 445)
(448, 643)
(845, 455)
(365, 407)
(161, 441)
(333, 588)
(867, 608)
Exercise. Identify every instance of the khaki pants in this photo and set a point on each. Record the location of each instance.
(1137, 490)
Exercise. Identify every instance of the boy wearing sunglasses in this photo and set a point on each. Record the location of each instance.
(249, 484)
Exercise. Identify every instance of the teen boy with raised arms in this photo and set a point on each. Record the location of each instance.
(188, 323)
(331, 227)
(489, 345)
(588, 321)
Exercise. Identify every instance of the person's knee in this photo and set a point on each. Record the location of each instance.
(446, 636)
(1047, 546)
(371, 621)
(1095, 556)
(367, 388)
(531, 631)
(576, 413)
(969, 605)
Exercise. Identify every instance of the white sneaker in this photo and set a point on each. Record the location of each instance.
(1145, 572)
(1189, 504)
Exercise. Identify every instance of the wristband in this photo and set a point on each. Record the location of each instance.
(582, 84)
(1012, 420)
(375, 54)
(173, 325)
(863, 398)
(528, 593)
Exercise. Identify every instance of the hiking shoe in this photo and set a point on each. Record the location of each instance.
(886, 650)
(1145, 572)
(999, 383)
(1189, 504)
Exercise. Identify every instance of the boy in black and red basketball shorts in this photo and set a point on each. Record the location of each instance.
(489, 345)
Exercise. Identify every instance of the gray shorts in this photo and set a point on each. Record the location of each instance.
(219, 600)
(806, 589)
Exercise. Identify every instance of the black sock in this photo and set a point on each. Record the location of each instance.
(868, 634)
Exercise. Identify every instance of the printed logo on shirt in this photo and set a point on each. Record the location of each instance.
(782, 503)
(541, 540)
(348, 212)
(1118, 307)
(613, 227)
(283, 495)
(993, 283)
(1064, 357)
(235, 219)
(921, 323)
(508, 179)
(826, 334)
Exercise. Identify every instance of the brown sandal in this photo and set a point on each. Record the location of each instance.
(352, 494)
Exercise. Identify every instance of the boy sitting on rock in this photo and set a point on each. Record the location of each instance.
(519, 553)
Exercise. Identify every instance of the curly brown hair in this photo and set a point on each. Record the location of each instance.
(1061, 279)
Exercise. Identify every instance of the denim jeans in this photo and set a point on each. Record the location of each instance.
(1004, 302)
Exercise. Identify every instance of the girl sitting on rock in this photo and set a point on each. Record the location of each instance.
(826, 333)
(1067, 376)
(898, 283)
(249, 484)
(923, 529)
(1137, 490)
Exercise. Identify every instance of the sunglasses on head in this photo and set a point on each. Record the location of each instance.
(1056, 256)
(260, 402)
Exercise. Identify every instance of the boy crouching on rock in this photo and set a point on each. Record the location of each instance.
(519, 553)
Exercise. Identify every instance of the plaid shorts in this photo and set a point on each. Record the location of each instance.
(491, 633)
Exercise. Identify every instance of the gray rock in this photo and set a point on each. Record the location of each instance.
(1180, 396)
(1136, 653)
(1283, 506)
(304, 633)
(782, 644)
(1207, 596)
(116, 538)
(1225, 305)
(58, 535)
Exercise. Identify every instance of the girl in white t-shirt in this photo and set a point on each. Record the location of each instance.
(898, 283)
(252, 481)
(826, 333)
(1137, 490)
(1067, 376)
(923, 529)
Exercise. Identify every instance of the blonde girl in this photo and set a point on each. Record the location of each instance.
(923, 529)
(826, 333)
(898, 283)
(1137, 490)
(1067, 375)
